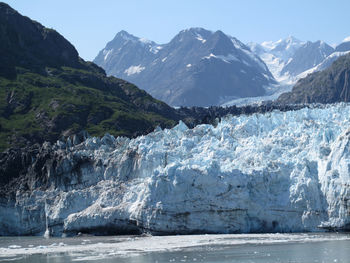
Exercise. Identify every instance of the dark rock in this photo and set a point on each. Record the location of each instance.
(26, 43)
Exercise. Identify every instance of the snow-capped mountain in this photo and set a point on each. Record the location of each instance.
(119, 51)
(196, 68)
(291, 59)
(277, 54)
(272, 172)
(283, 48)
(307, 56)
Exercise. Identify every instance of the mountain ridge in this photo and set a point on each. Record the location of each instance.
(290, 59)
(178, 72)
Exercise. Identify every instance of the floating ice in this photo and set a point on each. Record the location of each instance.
(141, 245)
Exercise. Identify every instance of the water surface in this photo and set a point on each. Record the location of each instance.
(261, 248)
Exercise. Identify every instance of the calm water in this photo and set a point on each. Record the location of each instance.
(198, 248)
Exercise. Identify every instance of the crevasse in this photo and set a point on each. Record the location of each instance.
(272, 172)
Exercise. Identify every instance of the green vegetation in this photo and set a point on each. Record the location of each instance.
(47, 91)
(35, 107)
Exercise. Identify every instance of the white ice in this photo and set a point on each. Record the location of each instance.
(278, 171)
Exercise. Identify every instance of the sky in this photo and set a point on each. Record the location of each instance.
(90, 24)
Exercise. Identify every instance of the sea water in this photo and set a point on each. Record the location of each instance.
(320, 247)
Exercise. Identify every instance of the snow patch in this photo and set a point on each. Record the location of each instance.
(200, 38)
(106, 53)
(227, 59)
(155, 49)
(134, 70)
(188, 65)
(211, 55)
(145, 41)
(237, 44)
(266, 76)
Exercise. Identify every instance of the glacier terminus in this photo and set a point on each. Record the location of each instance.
(272, 172)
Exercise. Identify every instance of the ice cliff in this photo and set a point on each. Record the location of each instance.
(278, 172)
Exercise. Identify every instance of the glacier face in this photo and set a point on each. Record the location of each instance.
(273, 172)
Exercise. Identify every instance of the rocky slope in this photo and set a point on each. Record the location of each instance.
(47, 91)
(196, 68)
(328, 86)
(275, 172)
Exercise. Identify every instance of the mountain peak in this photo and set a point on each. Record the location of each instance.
(198, 30)
(282, 44)
(195, 32)
(220, 33)
(125, 36)
(197, 67)
(291, 38)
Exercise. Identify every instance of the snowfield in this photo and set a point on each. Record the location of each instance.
(273, 172)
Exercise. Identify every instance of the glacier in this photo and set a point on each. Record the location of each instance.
(272, 172)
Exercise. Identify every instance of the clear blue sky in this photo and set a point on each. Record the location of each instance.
(90, 24)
